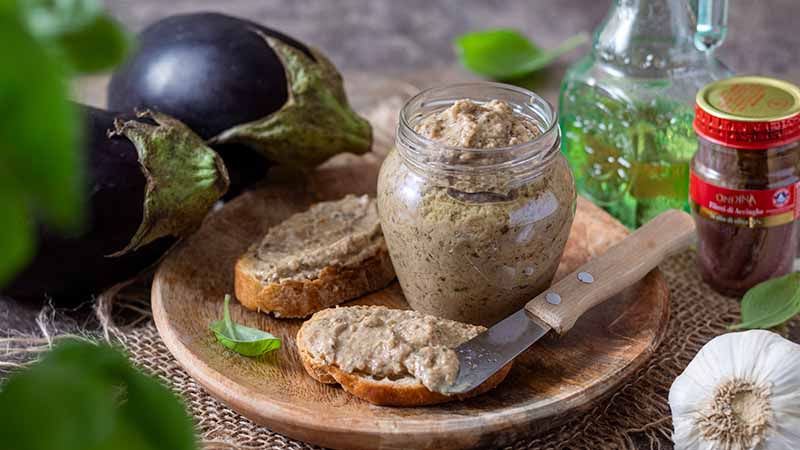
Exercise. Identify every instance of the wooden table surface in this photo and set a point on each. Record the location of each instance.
(411, 39)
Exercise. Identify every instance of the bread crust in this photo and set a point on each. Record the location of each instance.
(301, 298)
(387, 392)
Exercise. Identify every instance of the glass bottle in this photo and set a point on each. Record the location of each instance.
(627, 108)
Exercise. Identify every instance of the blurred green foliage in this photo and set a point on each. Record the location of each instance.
(83, 396)
(80, 396)
(45, 42)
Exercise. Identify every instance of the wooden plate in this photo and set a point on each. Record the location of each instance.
(554, 379)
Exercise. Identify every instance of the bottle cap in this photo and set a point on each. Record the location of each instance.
(751, 113)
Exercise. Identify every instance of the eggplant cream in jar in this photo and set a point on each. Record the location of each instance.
(476, 201)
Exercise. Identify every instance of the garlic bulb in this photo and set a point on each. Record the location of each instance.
(740, 392)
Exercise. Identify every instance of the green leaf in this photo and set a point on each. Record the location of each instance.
(75, 404)
(88, 397)
(39, 128)
(101, 45)
(100, 360)
(9, 6)
(241, 339)
(41, 162)
(53, 17)
(770, 303)
(171, 428)
(86, 38)
(502, 54)
(16, 239)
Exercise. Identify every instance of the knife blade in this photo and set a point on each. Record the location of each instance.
(558, 307)
(482, 356)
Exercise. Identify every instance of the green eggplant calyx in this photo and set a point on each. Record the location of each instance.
(316, 122)
(184, 177)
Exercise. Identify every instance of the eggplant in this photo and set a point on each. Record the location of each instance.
(125, 233)
(248, 89)
(210, 71)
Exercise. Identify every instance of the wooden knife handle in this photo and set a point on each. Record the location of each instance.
(621, 266)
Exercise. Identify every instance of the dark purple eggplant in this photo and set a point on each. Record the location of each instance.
(112, 248)
(210, 71)
(239, 83)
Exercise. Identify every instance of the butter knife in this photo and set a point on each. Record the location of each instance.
(560, 306)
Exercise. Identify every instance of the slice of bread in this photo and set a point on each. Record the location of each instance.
(367, 371)
(327, 255)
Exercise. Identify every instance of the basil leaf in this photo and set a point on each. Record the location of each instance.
(101, 45)
(40, 163)
(53, 17)
(16, 239)
(39, 128)
(770, 303)
(76, 404)
(9, 7)
(90, 397)
(87, 38)
(502, 54)
(170, 429)
(241, 339)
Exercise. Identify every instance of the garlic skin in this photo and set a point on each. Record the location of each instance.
(740, 392)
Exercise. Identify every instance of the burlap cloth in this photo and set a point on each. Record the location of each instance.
(637, 413)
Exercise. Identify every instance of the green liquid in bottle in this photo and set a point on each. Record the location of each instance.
(630, 158)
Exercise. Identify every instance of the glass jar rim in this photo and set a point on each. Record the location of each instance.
(521, 161)
(552, 122)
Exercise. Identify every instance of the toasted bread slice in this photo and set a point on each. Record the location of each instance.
(327, 255)
(381, 355)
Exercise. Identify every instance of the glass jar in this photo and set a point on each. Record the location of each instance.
(745, 181)
(474, 234)
(626, 108)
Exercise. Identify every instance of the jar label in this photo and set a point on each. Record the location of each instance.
(745, 207)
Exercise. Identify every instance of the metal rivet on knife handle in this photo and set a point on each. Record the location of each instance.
(553, 298)
(585, 277)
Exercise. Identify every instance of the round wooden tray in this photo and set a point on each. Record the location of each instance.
(549, 383)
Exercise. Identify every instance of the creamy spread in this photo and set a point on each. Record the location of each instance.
(388, 343)
(341, 233)
(475, 248)
(467, 124)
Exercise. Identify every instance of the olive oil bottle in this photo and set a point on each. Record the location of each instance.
(626, 109)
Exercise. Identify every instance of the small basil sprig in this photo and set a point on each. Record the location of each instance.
(504, 54)
(771, 303)
(241, 339)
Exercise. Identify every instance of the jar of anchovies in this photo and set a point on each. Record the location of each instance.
(745, 181)
(476, 201)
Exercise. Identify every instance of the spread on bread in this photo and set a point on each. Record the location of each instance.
(341, 233)
(387, 356)
(388, 343)
(331, 253)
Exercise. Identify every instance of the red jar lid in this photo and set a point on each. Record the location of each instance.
(751, 113)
